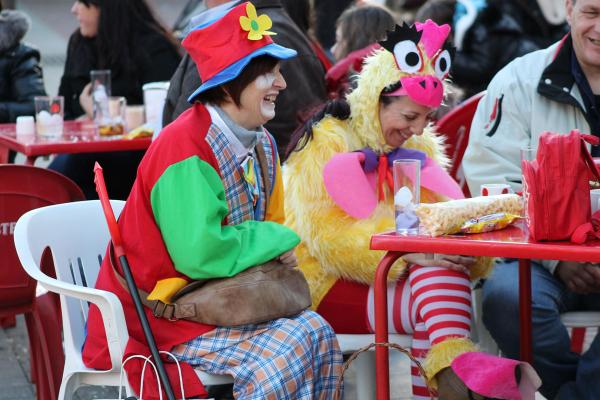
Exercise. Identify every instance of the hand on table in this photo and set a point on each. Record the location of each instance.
(288, 259)
(581, 278)
(453, 262)
(85, 100)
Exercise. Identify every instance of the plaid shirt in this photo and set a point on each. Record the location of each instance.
(238, 192)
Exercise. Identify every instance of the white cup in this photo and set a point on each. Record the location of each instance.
(493, 189)
(25, 125)
(155, 95)
(595, 199)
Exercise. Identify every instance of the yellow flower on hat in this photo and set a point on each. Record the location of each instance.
(256, 26)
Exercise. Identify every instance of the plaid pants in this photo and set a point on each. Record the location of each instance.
(287, 358)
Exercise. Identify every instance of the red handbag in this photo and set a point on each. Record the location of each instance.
(556, 186)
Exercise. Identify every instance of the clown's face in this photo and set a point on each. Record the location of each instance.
(257, 101)
(401, 119)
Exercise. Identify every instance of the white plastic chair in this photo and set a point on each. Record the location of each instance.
(77, 236)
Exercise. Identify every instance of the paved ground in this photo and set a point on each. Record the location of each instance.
(15, 384)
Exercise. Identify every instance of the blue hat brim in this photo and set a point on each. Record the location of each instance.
(235, 69)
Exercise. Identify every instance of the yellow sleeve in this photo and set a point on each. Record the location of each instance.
(276, 209)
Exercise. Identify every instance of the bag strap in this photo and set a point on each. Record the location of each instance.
(587, 157)
(170, 311)
(264, 171)
(589, 230)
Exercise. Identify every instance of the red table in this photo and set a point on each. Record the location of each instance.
(78, 137)
(512, 242)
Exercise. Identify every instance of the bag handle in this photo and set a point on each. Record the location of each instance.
(589, 230)
(340, 380)
(587, 157)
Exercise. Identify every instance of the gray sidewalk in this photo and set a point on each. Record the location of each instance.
(15, 372)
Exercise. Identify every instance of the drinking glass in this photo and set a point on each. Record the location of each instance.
(528, 154)
(49, 113)
(115, 123)
(101, 89)
(407, 188)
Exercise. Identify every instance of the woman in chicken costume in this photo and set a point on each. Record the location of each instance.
(339, 193)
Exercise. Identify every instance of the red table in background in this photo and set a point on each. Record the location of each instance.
(512, 242)
(78, 137)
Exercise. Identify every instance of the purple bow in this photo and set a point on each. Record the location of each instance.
(372, 159)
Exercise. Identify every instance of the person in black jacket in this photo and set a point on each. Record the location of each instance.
(19, 68)
(304, 74)
(124, 37)
(502, 31)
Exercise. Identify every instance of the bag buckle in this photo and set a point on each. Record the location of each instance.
(164, 310)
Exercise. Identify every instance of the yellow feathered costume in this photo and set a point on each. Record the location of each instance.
(335, 245)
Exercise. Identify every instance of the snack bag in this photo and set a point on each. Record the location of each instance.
(488, 223)
(448, 217)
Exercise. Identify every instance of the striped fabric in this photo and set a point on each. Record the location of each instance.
(288, 358)
(238, 192)
(582, 338)
(433, 304)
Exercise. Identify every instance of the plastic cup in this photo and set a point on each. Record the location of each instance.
(407, 188)
(115, 123)
(134, 116)
(25, 125)
(493, 189)
(155, 95)
(101, 90)
(595, 199)
(49, 112)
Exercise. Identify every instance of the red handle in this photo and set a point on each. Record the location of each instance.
(113, 227)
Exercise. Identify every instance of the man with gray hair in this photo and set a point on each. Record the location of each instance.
(556, 89)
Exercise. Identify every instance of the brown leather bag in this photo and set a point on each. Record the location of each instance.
(258, 294)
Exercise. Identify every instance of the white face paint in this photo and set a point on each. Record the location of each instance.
(257, 100)
(265, 82)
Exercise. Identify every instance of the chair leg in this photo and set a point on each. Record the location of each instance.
(8, 322)
(68, 387)
(33, 346)
(45, 342)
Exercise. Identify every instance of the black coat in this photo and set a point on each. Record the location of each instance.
(503, 31)
(155, 59)
(304, 74)
(20, 71)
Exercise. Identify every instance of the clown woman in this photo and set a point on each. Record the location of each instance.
(337, 195)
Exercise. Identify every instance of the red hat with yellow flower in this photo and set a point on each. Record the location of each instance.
(224, 48)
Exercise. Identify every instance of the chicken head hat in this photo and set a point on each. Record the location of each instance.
(222, 49)
(413, 61)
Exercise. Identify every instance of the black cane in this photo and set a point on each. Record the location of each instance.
(115, 235)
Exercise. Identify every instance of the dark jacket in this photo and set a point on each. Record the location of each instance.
(20, 71)
(304, 75)
(503, 31)
(155, 59)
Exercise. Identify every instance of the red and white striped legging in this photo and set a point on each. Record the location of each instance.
(433, 304)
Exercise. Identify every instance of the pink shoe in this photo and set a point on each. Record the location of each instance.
(496, 377)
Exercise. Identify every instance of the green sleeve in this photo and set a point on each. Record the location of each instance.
(188, 203)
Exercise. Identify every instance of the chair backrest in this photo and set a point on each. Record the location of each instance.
(23, 188)
(456, 126)
(77, 236)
